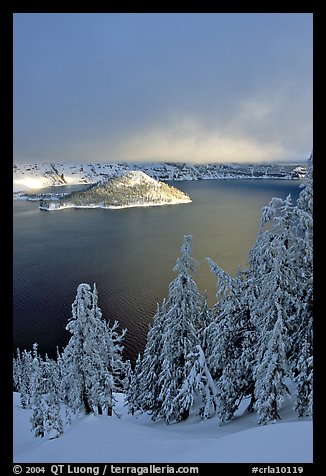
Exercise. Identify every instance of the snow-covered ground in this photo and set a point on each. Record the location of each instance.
(136, 439)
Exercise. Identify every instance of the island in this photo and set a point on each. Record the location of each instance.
(130, 189)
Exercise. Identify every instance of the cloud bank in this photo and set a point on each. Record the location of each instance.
(162, 87)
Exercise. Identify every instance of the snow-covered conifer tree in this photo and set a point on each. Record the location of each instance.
(271, 373)
(77, 354)
(53, 425)
(62, 387)
(302, 327)
(37, 387)
(198, 387)
(304, 380)
(115, 363)
(127, 390)
(92, 360)
(52, 422)
(148, 391)
(222, 328)
(26, 379)
(17, 371)
(134, 388)
(100, 381)
(232, 336)
(179, 335)
(273, 304)
(205, 320)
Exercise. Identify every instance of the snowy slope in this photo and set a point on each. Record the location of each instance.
(34, 176)
(101, 439)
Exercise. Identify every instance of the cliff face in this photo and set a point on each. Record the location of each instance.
(132, 189)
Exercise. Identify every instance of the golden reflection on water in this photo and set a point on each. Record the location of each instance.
(130, 254)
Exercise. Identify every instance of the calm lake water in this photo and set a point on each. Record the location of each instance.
(129, 254)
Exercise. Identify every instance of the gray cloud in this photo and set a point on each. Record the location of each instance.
(191, 87)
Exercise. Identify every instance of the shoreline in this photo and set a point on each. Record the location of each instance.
(116, 207)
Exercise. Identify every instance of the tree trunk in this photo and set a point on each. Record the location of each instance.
(251, 406)
(184, 415)
(88, 408)
(275, 414)
(109, 406)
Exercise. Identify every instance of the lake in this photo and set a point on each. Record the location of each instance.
(129, 254)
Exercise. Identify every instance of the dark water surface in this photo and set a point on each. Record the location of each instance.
(129, 253)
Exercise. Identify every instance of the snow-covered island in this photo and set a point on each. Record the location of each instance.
(132, 189)
(40, 175)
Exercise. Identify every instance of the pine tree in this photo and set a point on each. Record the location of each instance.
(198, 387)
(127, 389)
(304, 380)
(62, 387)
(26, 379)
(204, 325)
(17, 371)
(146, 395)
(99, 379)
(53, 424)
(302, 328)
(232, 336)
(37, 387)
(92, 361)
(133, 390)
(271, 372)
(273, 304)
(114, 363)
(223, 327)
(179, 335)
(77, 353)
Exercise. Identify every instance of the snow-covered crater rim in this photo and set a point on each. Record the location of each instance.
(40, 175)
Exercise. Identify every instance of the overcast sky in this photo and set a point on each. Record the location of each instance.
(169, 87)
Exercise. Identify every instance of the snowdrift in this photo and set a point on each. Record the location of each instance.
(101, 439)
